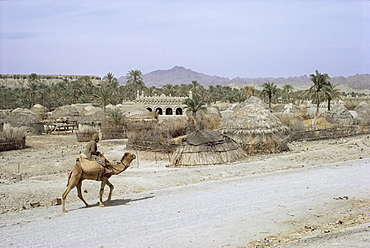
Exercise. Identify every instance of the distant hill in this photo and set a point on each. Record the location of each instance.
(180, 75)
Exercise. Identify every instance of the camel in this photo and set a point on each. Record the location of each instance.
(77, 175)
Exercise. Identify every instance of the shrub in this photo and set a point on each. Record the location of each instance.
(12, 140)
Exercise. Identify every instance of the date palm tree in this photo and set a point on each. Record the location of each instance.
(135, 77)
(33, 92)
(193, 106)
(248, 91)
(269, 90)
(287, 89)
(331, 93)
(104, 95)
(168, 90)
(315, 92)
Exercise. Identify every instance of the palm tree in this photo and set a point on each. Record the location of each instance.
(135, 77)
(87, 85)
(269, 89)
(248, 91)
(109, 78)
(104, 95)
(34, 92)
(168, 90)
(331, 93)
(117, 117)
(315, 93)
(287, 89)
(33, 77)
(193, 106)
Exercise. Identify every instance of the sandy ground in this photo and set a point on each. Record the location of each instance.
(45, 163)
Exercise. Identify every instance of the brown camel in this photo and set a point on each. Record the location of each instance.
(77, 175)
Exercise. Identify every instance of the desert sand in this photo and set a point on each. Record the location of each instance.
(45, 162)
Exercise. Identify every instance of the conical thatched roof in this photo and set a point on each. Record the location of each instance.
(65, 111)
(40, 111)
(23, 117)
(91, 114)
(363, 112)
(206, 147)
(254, 126)
(338, 114)
(254, 101)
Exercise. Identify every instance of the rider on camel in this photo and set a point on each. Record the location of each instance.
(92, 153)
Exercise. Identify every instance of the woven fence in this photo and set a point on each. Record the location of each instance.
(113, 131)
(85, 136)
(334, 132)
(12, 141)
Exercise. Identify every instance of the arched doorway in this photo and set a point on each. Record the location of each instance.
(168, 111)
(150, 109)
(159, 111)
(179, 111)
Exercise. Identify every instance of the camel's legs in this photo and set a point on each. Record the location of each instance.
(73, 180)
(103, 182)
(111, 187)
(79, 193)
(64, 196)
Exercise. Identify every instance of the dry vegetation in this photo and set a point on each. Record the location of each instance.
(12, 140)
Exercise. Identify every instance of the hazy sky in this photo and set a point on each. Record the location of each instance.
(222, 38)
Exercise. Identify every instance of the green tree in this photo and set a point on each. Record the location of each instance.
(331, 93)
(248, 91)
(269, 90)
(168, 90)
(135, 77)
(104, 95)
(116, 117)
(109, 78)
(287, 89)
(33, 93)
(193, 106)
(315, 92)
(33, 78)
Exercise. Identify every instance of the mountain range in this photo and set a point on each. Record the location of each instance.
(180, 75)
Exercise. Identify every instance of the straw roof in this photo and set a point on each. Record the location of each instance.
(363, 112)
(253, 100)
(23, 117)
(254, 126)
(338, 114)
(65, 111)
(91, 114)
(40, 111)
(206, 147)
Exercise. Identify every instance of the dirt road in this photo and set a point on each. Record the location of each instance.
(248, 211)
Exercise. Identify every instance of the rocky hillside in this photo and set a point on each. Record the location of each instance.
(181, 75)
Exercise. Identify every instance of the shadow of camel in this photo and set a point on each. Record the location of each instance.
(118, 202)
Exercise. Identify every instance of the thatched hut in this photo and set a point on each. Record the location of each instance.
(40, 111)
(24, 120)
(206, 147)
(363, 113)
(255, 127)
(89, 122)
(338, 114)
(66, 111)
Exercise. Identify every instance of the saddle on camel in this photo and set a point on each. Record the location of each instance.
(92, 165)
(90, 170)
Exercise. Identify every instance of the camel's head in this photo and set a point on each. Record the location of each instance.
(128, 157)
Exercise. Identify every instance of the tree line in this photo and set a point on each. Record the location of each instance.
(82, 90)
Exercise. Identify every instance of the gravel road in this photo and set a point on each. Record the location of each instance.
(223, 213)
